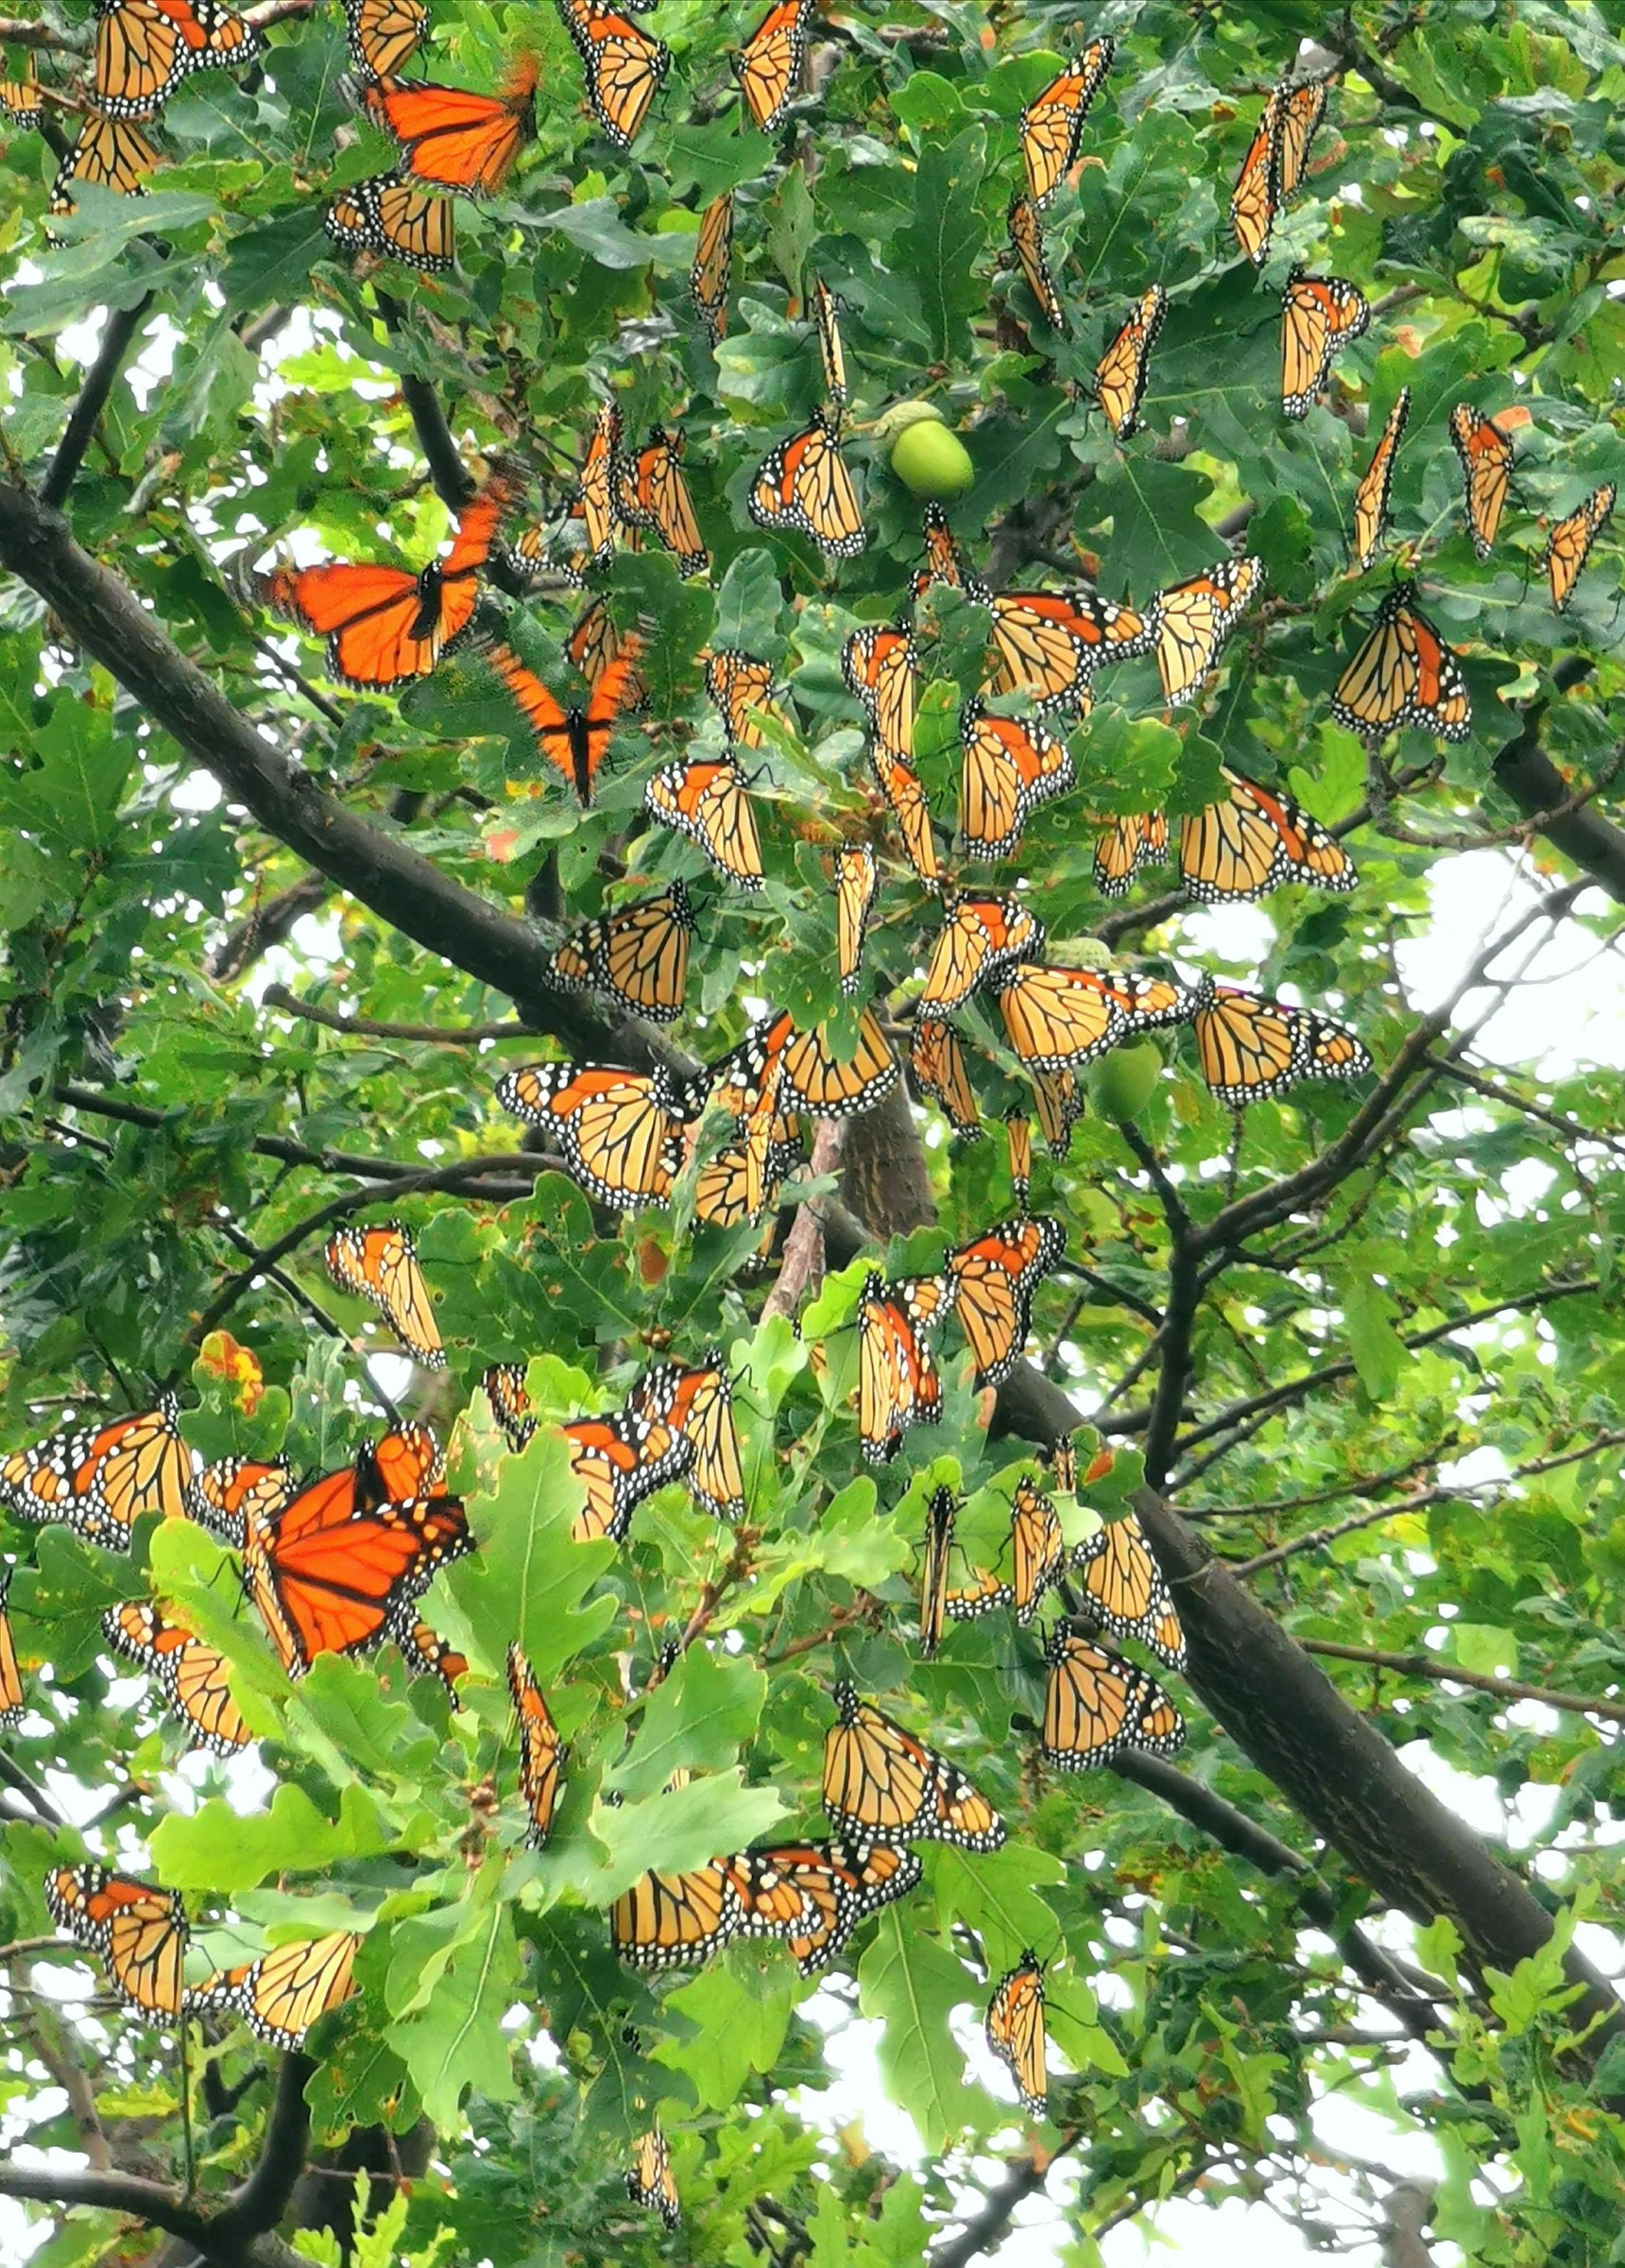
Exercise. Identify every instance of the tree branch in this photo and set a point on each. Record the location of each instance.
(987, 2226)
(264, 2198)
(360, 1027)
(1450, 1672)
(1178, 1322)
(153, 2202)
(117, 335)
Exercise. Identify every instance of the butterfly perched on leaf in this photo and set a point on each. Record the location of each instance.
(1370, 514)
(1252, 841)
(651, 493)
(840, 1883)
(385, 626)
(1008, 768)
(137, 1931)
(225, 1497)
(1121, 371)
(1124, 1590)
(1052, 123)
(384, 35)
(1568, 546)
(1026, 235)
(452, 138)
(883, 1783)
(574, 740)
(1136, 839)
(677, 1919)
(379, 1263)
(831, 354)
(1061, 1018)
(937, 1063)
(1250, 1048)
(1484, 454)
(100, 1480)
(804, 486)
(649, 2181)
(713, 269)
(145, 48)
(1097, 1705)
(856, 883)
(107, 153)
(1404, 674)
(283, 1993)
(396, 218)
(1195, 618)
(1037, 1560)
(192, 1675)
(1059, 1100)
(595, 503)
(708, 802)
(1273, 166)
(993, 1278)
(1319, 316)
(1014, 2030)
(698, 1402)
(426, 1654)
(768, 67)
(899, 1382)
(623, 67)
(980, 934)
(509, 1398)
(637, 957)
(621, 1131)
(542, 1756)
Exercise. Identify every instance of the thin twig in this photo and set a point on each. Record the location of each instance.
(117, 335)
(362, 1028)
(1450, 1672)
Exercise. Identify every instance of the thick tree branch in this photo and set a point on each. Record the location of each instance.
(264, 2198)
(153, 2202)
(1178, 1324)
(1528, 776)
(118, 334)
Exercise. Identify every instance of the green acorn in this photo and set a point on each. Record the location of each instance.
(1125, 1080)
(925, 455)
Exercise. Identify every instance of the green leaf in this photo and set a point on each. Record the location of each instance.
(737, 2015)
(699, 1717)
(216, 1849)
(912, 1985)
(945, 238)
(453, 1977)
(527, 1579)
(1380, 1354)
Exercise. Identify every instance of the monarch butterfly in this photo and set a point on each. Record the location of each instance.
(905, 796)
(621, 1131)
(506, 1390)
(674, 1920)
(1254, 841)
(899, 1384)
(1121, 373)
(713, 269)
(1015, 2031)
(399, 1467)
(1096, 1705)
(595, 501)
(542, 1755)
(12, 1698)
(192, 1677)
(1037, 1549)
(1375, 483)
(1052, 122)
(804, 484)
(739, 686)
(223, 1498)
(857, 885)
(840, 1883)
(385, 34)
(100, 1480)
(639, 955)
(1273, 166)
(144, 48)
(1060, 1104)
(651, 492)
(742, 1178)
(624, 1456)
(336, 1568)
(396, 218)
(1250, 1047)
(1048, 643)
(1008, 769)
(22, 103)
(1027, 243)
(943, 560)
(139, 1933)
(1568, 546)
(994, 1278)
(1196, 617)
(386, 625)
(831, 354)
(978, 937)
(881, 665)
(700, 1404)
(649, 2181)
(1126, 1592)
(575, 740)
(379, 1263)
(1319, 314)
(706, 803)
(1486, 456)
(594, 645)
(1059, 1018)
(939, 1517)
(1019, 1135)
(768, 67)
(1404, 674)
(109, 153)
(426, 1654)
(881, 1783)
(1137, 838)
(777, 1066)
(459, 140)
(280, 1995)
(937, 1059)
(623, 67)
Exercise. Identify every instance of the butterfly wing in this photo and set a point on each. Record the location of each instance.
(379, 1263)
(1404, 674)
(1008, 769)
(1319, 314)
(707, 804)
(1568, 546)
(1486, 456)
(713, 269)
(396, 218)
(768, 67)
(1027, 242)
(1370, 515)
(1255, 840)
(623, 67)
(1052, 123)
(805, 485)
(1121, 373)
